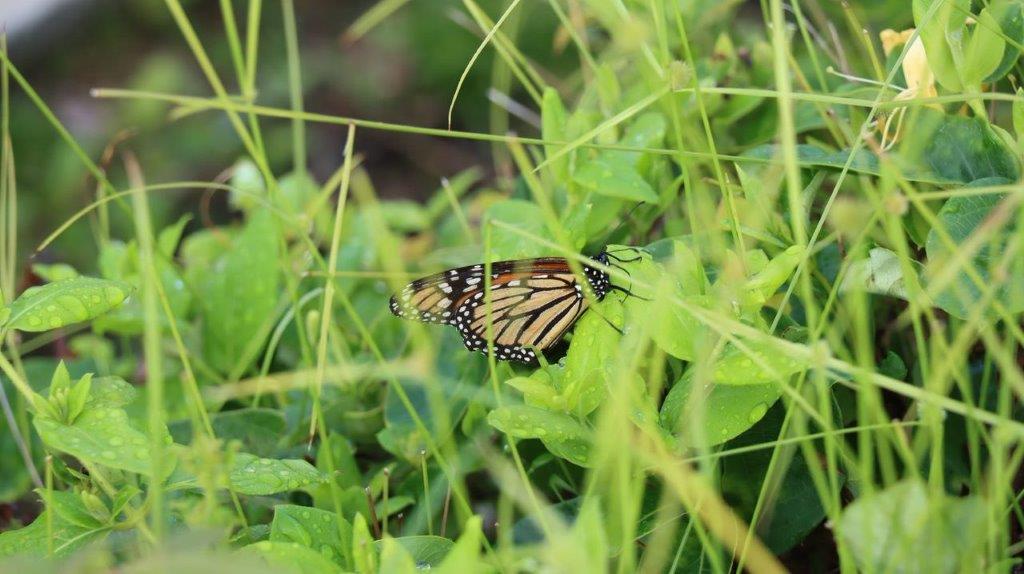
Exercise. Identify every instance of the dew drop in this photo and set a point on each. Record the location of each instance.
(758, 412)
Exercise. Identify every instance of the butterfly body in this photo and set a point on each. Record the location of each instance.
(533, 303)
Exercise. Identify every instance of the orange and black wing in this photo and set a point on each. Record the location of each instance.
(533, 302)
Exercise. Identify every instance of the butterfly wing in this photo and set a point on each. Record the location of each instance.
(526, 313)
(434, 298)
(533, 303)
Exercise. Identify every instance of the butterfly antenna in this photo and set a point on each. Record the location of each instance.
(621, 223)
(627, 290)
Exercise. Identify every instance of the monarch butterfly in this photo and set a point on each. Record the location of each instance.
(533, 302)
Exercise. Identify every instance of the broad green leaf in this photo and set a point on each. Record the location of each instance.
(464, 555)
(672, 328)
(562, 434)
(961, 217)
(761, 364)
(940, 24)
(263, 476)
(55, 272)
(864, 161)
(316, 529)
(169, 237)
(617, 178)
(727, 410)
(247, 185)
(522, 215)
(402, 435)
(257, 429)
(364, 556)
(880, 273)
(343, 456)
(66, 302)
(1010, 15)
(394, 557)
(35, 539)
(405, 216)
(541, 388)
(907, 528)
(86, 420)
(68, 507)
(296, 190)
(290, 558)
(778, 270)
(965, 150)
(426, 551)
(646, 131)
(240, 292)
(101, 435)
(594, 342)
(984, 50)
(795, 510)
(553, 125)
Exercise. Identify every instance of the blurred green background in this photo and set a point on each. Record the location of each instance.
(403, 71)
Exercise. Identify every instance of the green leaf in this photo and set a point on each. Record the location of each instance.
(594, 341)
(880, 273)
(940, 24)
(907, 528)
(961, 217)
(363, 555)
(864, 161)
(101, 435)
(55, 272)
(962, 149)
(984, 50)
(728, 410)
(394, 557)
(671, 327)
(264, 476)
(35, 539)
(248, 185)
(405, 216)
(426, 551)
(70, 508)
(257, 429)
(616, 178)
(524, 216)
(1010, 14)
(562, 434)
(553, 124)
(111, 392)
(288, 557)
(736, 367)
(240, 293)
(316, 529)
(464, 556)
(646, 131)
(765, 283)
(66, 302)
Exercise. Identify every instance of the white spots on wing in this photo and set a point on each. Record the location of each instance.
(472, 281)
(445, 287)
(444, 303)
(513, 283)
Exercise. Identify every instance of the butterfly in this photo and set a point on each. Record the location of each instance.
(533, 302)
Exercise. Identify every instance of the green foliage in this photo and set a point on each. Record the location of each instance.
(904, 529)
(808, 357)
(63, 303)
(239, 286)
(254, 475)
